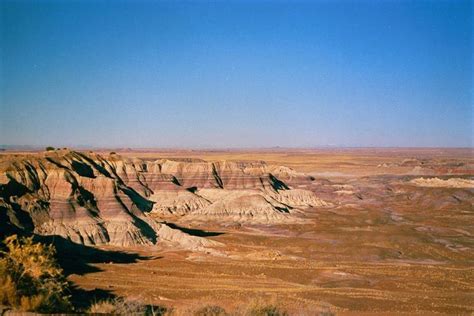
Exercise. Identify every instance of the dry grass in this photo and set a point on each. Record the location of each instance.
(267, 310)
(103, 307)
(120, 306)
(261, 307)
(211, 310)
(30, 278)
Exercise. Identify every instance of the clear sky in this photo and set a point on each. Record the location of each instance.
(236, 74)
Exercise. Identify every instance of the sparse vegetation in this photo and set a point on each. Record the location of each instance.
(30, 278)
(49, 148)
(103, 307)
(120, 306)
(211, 310)
(326, 311)
(266, 310)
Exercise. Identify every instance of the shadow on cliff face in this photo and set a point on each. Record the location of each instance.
(78, 259)
(277, 184)
(82, 169)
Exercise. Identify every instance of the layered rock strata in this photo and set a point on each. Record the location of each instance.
(94, 199)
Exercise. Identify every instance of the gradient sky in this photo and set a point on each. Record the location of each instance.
(236, 74)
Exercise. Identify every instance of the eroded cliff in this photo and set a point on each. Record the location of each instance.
(94, 199)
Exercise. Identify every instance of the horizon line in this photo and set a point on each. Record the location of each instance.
(190, 148)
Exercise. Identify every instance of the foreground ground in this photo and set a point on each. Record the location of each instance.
(387, 245)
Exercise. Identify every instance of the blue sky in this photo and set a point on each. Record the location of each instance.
(236, 74)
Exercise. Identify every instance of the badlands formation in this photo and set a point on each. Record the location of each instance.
(347, 231)
(94, 200)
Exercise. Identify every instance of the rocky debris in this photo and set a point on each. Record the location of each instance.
(180, 239)
(250, 205)
(299, 198)
(93, 199)
(418, 170)
(440, 183)
(432, 166)
(267, 254)
(347, 192)
(242, 206)
(177, 202)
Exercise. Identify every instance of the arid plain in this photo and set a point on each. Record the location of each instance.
(385, 231)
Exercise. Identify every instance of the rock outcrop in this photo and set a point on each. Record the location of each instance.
(440, 183)
(94, 199)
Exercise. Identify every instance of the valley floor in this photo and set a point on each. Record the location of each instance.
(388, 245)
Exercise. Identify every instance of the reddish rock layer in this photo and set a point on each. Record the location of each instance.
(92, 199)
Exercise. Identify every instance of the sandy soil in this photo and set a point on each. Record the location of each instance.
(385, 247)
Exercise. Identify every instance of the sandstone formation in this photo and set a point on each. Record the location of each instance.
(440, 183)
(94, 199)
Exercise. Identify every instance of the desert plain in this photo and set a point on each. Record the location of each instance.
(387, 231)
